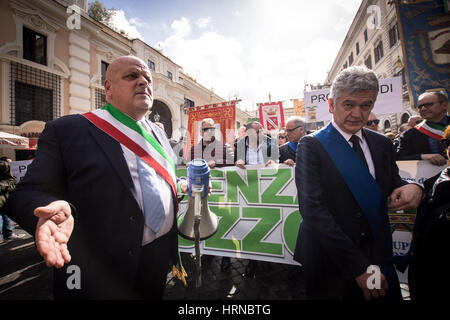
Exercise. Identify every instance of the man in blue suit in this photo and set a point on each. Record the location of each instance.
(86, 195)
(345, 175)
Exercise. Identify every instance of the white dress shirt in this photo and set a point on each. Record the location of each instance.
(163, 186)
(363, 143)
(254, 156)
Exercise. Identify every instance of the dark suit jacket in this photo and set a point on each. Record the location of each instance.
(81, 164)
(334, 243)
(286, 153)
(412, 143)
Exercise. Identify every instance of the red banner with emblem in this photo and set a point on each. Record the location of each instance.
(224, 116)
(271, 115)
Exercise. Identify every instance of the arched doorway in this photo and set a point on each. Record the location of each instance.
(161, 113)
(405, 118)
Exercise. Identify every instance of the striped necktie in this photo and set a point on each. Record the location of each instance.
(154, 212)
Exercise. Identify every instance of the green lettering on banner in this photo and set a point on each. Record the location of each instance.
(281, 176)
(252, 241)
(290, 229)
(216, 185)
(228, 216)
(250, 190)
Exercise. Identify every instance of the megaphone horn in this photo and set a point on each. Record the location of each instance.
(198, 217)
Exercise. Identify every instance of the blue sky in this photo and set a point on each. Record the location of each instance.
(250, 46)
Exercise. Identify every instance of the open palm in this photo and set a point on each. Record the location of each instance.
(53, 231)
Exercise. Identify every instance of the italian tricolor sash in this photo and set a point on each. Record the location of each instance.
(132, 135)
(433, 130)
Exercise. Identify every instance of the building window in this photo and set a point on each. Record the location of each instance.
(357, 48)
(366, 37)
(105, 66)
(169, 75)
(189, 103)
(151, 65)
(402, 74)
(350, 59)
(345, 66)
(34, 94)
(34, 46)
(368, 62)
(378, 52)
(405, 118)
(387, 125)
(100, 98)
(393, 35)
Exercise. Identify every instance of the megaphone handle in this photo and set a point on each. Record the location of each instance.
(198, 263)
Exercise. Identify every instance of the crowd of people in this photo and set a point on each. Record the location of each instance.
(102, 192)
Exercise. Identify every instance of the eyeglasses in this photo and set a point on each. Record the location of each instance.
(210, 129)
(446, 142)
(369, 122)
(427, 105)
(281, 137)
(290, 130)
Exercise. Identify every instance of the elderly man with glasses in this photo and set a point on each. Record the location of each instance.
(215, 152)
(295, 129)
(422, 141)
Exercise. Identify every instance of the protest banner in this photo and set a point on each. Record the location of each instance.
(259, 214)
(224, 116)
(19, 168)
(425, 34)
(389, 100)
(271, 115)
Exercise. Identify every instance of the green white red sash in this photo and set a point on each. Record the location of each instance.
(132, 135)
(433, 130)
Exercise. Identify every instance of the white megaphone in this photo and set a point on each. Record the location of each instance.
(197, 209)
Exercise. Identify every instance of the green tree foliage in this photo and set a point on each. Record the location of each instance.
(98, 12)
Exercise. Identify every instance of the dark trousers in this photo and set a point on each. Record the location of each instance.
(153, 268)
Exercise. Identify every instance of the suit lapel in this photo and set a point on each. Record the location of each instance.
(378, 158)
(114, 153)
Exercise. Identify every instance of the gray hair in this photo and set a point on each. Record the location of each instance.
(299, 121)
(353, 79)
(206, 120)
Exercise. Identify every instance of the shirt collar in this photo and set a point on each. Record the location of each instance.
(346, 135)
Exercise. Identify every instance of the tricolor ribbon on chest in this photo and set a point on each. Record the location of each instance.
(433, 130)
(132, 135)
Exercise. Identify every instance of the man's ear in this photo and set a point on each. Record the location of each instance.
(107, 84)
(331, 105)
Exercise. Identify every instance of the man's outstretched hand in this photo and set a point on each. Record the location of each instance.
(53, 231)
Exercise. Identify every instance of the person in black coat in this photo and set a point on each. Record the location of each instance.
(83, 199)
(428, 275)
(421, 142)
(339, 242)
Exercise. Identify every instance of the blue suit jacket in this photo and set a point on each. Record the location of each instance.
(334, 243)
(81, 164)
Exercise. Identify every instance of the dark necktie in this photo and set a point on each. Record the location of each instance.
(357, 148)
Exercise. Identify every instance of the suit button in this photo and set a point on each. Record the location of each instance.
(130, 253)
(132, 218)
(359, 214)
(363, 234)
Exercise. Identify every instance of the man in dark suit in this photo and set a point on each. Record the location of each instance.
(92, 221)
(422, 142)
(343, 198)
(295, 129)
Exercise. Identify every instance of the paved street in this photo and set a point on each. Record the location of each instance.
(23, 275)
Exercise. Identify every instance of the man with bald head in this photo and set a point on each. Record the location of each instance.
(101, 195)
